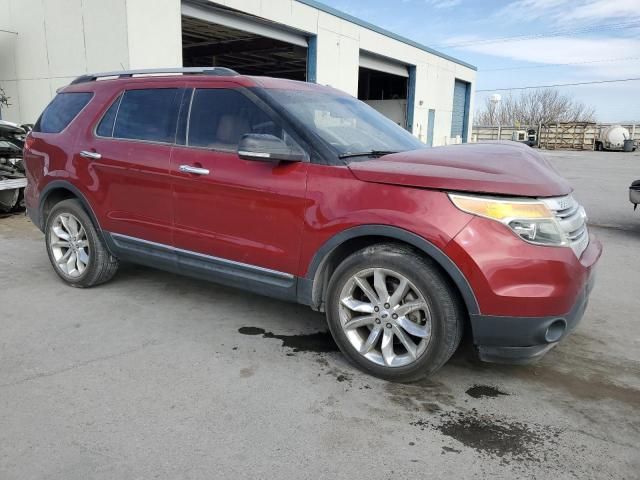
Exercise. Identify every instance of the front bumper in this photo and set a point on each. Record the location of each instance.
(529, 297)
(523, 340)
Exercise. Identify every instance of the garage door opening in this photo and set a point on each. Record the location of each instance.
(385, 92)
(206, 44)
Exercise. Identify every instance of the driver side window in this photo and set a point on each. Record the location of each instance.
(220, 117)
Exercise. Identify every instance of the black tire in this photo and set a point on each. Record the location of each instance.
(442, 297)
(101, 267)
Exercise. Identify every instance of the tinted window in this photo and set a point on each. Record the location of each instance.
(219, 118)
(59, 113)
(105, 129)
(148, 115)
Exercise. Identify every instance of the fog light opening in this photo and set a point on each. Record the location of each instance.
(555, 330)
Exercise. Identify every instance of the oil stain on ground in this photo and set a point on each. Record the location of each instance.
(319, 342)
(509, 440)
(481, 391)
(424, 396)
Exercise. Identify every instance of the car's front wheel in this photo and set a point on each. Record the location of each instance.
(393, 313)
(75, 249)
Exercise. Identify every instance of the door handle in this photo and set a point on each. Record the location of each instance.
(90, 155)
(194, 170)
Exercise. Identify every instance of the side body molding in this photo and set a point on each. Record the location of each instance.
(309, 289)
(263, 281)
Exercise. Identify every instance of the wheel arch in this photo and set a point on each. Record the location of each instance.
(312, 288)
(60, 190)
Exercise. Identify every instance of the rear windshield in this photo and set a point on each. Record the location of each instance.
(61, 111)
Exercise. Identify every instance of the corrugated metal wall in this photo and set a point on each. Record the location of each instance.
(460, 110)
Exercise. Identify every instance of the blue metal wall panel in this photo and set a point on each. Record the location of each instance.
(431, 123)
(460, 113)
(411, 97)
(312, 59)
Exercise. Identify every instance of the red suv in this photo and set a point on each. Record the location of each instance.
(303, 193)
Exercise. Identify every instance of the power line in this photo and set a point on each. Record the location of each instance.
(560, 85)
(557, 33)
(527, 67)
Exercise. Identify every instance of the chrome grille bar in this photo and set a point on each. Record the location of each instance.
(572, 220)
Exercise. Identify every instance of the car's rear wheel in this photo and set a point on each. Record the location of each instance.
(393, 313)
(75, 249)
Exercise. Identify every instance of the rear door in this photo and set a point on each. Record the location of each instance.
(128, 157)
(248, 212)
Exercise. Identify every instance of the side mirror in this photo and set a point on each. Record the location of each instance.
(268, 148)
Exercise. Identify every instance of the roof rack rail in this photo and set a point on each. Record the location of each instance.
(219, 71)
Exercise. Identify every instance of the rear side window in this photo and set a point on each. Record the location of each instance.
(149, 114)
(105, 128)
(61, 111)
(220, 117)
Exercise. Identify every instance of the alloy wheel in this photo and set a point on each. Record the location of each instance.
(69, 245)
(385, 317)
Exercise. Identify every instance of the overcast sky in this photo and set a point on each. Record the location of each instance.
(599, 38)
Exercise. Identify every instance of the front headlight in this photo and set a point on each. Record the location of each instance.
(531, 220)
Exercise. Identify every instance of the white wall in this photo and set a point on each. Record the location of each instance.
(58, 40)
(154, 32)
(395, 110)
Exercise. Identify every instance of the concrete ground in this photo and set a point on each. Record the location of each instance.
(158, 376)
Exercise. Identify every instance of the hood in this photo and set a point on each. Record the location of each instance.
(501, 168)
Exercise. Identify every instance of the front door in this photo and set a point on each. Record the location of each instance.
(248, 214)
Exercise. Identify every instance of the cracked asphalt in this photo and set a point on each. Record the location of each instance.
(159, 376)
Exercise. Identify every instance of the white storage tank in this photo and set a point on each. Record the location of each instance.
(612, 138)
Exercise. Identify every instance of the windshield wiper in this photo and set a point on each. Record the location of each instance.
(370, 153)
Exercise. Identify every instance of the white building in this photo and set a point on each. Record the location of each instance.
(44, 44)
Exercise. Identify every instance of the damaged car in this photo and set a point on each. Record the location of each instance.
(304, 193)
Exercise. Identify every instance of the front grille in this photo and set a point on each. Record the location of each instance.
(573, 221)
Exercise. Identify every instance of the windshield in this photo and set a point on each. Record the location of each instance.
(349, 126)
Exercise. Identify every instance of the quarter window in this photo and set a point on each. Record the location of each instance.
(220, 117)
(105, 128)
(148, 114)
(61, 111)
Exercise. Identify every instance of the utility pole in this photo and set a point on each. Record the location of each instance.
(495, 101)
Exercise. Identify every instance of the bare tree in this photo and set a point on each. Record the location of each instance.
(534, 107)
